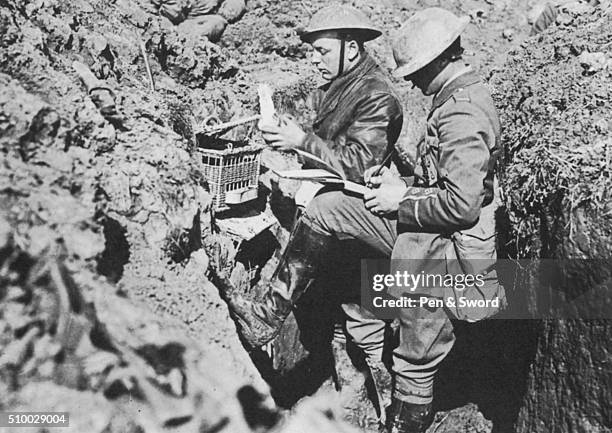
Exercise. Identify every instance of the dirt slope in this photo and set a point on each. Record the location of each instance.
(117, 201)
(555, 99)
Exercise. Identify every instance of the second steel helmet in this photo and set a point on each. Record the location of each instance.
(424, 37)
(341, 18)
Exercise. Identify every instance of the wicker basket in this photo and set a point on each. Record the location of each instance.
(232, 174)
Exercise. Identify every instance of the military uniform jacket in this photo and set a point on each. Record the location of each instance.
(359, 119)
(450, 213)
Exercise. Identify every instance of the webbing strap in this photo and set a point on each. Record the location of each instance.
(342, 48)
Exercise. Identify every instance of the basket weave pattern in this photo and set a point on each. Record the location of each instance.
(230, 170)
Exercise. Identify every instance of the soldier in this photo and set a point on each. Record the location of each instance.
(359, 118)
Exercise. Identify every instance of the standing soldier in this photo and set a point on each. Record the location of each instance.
(359, 118)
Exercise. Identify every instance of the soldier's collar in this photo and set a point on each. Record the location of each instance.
(459, 81)
(343, 84)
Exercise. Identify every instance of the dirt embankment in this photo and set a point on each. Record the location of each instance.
(107, 200)
(555, 98)
(90, 193)
(555, 114)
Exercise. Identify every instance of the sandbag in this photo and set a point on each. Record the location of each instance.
(211, 26)
(232, 10)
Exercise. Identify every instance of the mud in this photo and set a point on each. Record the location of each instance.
(110, 191)
(555, 100)
(557, 138)
(125, 199)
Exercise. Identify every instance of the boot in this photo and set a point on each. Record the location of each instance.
(404, 417)
(260, 321)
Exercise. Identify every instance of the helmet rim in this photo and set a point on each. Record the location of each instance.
(343, 19)
(422, 30)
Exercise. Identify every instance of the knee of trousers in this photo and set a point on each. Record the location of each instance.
(425, 337)
(322, 208)
(365, 330)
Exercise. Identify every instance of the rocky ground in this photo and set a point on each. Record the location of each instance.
(105, 303)
(555, 99)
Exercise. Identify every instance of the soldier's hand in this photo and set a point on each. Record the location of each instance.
(385, 177)
(367, 175)
(287, 135)
(385, 199)
(271, 134)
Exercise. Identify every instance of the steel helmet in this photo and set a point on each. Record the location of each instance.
(424, 37)
(341, 18)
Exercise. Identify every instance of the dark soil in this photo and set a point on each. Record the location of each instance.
(555, 97)
(117, 201)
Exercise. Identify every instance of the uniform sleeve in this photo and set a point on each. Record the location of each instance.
(463, 162)
(375, 126)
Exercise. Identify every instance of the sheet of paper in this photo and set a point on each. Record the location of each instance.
(356, 188)
(323, 176)
(317, 162)
(309, 174)
(266, 105)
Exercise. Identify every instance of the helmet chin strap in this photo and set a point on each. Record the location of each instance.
(341, 61)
